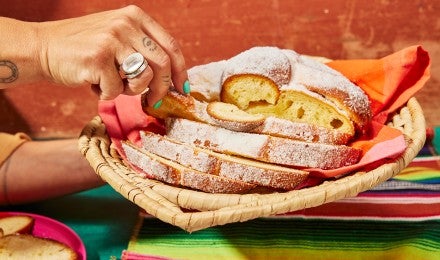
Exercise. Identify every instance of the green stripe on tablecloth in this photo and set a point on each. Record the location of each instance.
(287, 237)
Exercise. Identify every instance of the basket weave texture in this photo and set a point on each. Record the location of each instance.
(194, 210)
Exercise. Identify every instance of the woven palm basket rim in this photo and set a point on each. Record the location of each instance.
(194, 210)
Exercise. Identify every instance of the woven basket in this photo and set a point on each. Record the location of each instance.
(193, 210)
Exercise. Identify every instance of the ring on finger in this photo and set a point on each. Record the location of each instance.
(134, 65)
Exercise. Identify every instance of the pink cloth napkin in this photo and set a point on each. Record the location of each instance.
(389, 83)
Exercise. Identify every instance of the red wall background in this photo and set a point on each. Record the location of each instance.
(209, 30)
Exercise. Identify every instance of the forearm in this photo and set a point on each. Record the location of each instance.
(46, 169)
(89, 50)
(20, 50)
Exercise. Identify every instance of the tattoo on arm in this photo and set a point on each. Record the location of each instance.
(10, 69)
(149, 43)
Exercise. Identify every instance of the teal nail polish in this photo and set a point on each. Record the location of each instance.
(186, 87)
(158, 104)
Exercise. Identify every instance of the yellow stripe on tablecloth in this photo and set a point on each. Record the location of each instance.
(234, 253)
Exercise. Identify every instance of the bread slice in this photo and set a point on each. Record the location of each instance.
(20, 224)
(261, 147)
(25, 246)
(231, 117)
(301, 131)
(300, 107)
(245, 89)
(165, 170)
(176, 104)
(232, 167)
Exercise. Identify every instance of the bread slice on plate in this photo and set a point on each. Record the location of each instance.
(19, 224)
(26, 246)
(261, 147)
(228, 166)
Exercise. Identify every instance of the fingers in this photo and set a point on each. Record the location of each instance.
(139, 84)
(110, 83)
(136, 72)
(113, 82)
(170, 46)
(135, 31)
(160, 64)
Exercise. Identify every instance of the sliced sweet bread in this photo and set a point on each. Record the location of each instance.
(208, 76)
(26, 246)
(301, 131)
(244, 90)
(175, 104)
(298, 106)
(19, 224)
(315, 93)
(255, 80)
(261, 147)
(231, 117)
(232, 167)
(277, 83)
(159, 168)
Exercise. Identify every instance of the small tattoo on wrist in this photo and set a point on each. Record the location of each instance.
(13, 75)
(149, 43)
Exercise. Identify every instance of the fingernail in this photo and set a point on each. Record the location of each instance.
(158, 104)
(186, 87)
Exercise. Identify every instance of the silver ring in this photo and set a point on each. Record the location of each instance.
(134, 65)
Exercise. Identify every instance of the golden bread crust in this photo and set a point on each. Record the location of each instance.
(244, 89)
(26, 246)
(231, 117)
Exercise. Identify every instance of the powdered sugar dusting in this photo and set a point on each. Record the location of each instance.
(301, 131)
(287, 69)
(215, 138)
(328, 82)
(176, 174)
(227, 166)
(262, 147)
(261, 176)
(311, 155)
(182, 154)
(213, 183)
(207, 79)
(266, 61)
(150, 166)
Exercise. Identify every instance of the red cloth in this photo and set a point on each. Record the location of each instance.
(389, 82)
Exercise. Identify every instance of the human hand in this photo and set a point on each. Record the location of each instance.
(90, 49)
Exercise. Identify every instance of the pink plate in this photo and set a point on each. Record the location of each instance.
(49, 228)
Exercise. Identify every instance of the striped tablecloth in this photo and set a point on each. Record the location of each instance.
(399, 219)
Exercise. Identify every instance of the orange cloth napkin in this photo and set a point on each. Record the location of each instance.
(389, 82)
